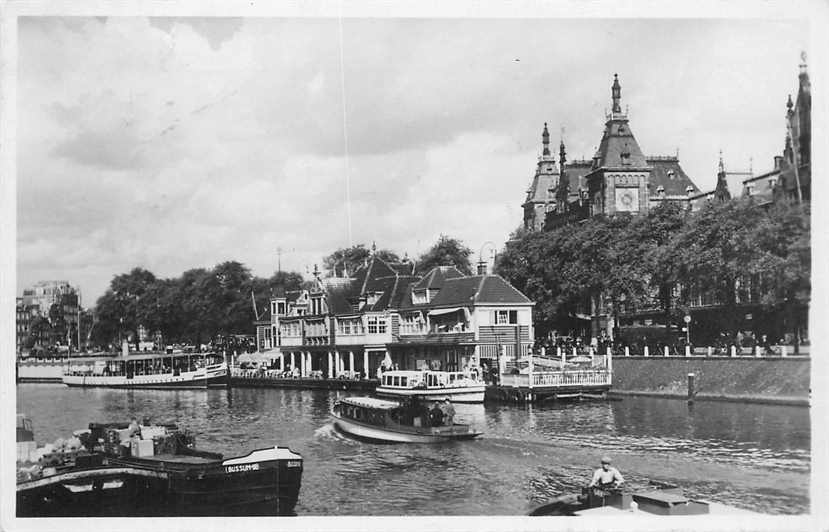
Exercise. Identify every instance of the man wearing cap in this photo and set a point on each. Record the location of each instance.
(606, 476)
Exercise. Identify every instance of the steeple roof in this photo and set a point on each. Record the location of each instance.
(618, 148)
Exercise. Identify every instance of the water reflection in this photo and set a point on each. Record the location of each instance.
(720, 451)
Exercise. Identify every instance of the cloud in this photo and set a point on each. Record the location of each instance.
(176, 143)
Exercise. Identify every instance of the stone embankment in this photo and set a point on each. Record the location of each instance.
(763, 380)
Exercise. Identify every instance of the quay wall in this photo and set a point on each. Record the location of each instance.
(784, 380)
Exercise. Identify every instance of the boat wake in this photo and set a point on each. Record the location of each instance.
(329, 432)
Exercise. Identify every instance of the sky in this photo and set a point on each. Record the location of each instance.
(177, 143)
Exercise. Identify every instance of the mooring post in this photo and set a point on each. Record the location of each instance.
(710, 350)
(691, 391)
(666, 350)
(646, 350)
(757, 351)
(627, 351)
(687, 350)
(733, 351)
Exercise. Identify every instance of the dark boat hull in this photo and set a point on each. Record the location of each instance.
(124, 490)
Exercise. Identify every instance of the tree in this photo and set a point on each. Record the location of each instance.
(446, 251)
(350, 259)
(39, 331)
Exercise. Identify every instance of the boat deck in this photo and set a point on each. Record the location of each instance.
(181, 459)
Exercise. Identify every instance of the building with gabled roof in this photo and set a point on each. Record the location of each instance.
(385, 313)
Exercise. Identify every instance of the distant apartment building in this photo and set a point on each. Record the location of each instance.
(385, 313)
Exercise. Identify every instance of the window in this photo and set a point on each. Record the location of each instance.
(376, 325)
(412, 323)
(506, 317)
(280, 308)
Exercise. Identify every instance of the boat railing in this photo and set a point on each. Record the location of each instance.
(558, 378)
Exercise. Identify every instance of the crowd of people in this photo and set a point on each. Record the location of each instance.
(416, 412)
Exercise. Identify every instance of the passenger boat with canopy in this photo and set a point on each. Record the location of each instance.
(460, 387)
(155, 370)
(389, 421)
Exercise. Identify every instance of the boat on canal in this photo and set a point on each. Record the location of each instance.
(374, 419)
(159, 473)
(150, 370)
(460, 387)
(659, 500)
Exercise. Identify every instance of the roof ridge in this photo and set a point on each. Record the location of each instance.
(480, 287)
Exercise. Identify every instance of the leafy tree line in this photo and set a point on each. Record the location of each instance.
(203, 303)
(664, 259)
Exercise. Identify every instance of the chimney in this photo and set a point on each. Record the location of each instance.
(778, 162)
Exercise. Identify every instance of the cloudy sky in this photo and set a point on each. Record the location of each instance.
(173, 143)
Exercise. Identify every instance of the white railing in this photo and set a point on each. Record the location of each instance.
(558, 378)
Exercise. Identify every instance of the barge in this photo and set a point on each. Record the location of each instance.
(158, 474)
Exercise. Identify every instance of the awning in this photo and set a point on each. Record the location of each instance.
(439, 311)
(272, 354)
(253, 357)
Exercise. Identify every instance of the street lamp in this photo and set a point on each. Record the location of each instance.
(482, 265)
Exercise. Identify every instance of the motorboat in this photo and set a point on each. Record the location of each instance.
(152, 370)
(374, 419)
(659, 500)
(459, 387)
(156, 473)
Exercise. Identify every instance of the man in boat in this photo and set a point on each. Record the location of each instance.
(448, 412)
(606, 477)
(436, 415)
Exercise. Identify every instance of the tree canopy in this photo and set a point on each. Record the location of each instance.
(447, 251)
(726, 250)
(351, 258)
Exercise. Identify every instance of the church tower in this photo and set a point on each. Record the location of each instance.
(619, 178)
(721, 192)
(540, 196)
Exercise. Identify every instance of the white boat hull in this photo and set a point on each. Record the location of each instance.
(202, 378)
(466, 394)
(369, 432)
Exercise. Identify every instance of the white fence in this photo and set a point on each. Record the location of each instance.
(559, 379)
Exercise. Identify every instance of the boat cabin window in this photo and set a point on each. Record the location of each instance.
(395, 381)
(403, 381)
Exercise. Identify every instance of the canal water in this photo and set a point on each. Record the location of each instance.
(750, 456)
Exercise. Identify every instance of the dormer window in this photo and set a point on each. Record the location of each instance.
(373, 297)
(689, 190)
(660, 190)
(671, 174)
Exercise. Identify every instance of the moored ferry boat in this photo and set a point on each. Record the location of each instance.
(458, 386)
(389, 421)
(153, 370)
(158, 473)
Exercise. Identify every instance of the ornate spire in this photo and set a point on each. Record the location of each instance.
(545, 140)
(789, 106)
(563, 189)
(616, 91)
(803, 66)
(721, 191)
